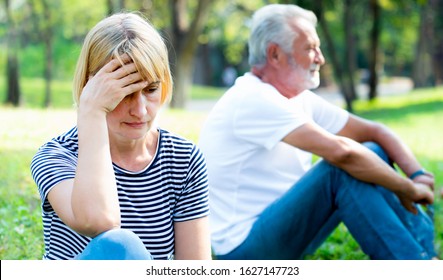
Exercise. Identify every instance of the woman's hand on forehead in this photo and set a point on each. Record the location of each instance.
(112, 83)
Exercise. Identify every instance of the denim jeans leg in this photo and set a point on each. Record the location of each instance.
(374, 224)
(421, 225)
(115, 244)
(287, 227)
(321, 236)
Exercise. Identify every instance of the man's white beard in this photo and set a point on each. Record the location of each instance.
(311, 77)
(314, 81)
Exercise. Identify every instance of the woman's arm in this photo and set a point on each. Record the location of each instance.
(192, 241)
(89, 203)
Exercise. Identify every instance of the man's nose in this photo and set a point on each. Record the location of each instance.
(319, 58)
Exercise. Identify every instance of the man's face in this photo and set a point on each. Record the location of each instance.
(303, 63)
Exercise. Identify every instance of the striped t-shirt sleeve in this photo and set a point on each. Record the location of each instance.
(51, 165)
(193, 202)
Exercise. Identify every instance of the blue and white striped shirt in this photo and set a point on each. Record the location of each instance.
(173, 188)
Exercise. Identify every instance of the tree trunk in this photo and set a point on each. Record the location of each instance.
(47, 39)
(48, 71)
(374, 59)
(338, 71)
(13, 85)
(350, 56)
(13, 94)
(109, 7)
(423, 75)
(438, 50)
(184, 39)
(115, 6)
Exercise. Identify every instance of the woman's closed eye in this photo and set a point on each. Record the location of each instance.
(151, 88)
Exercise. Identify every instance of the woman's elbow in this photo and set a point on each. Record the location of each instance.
(95, 225)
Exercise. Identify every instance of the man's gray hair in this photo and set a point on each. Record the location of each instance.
(270, 24)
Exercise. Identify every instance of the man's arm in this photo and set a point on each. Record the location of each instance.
(358, 161)
(362, 130)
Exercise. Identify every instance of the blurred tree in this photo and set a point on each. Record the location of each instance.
(438, 47)
(228, 27)
(182, 22)
(184, 38)
(57, 28)
(224, 39)
(350, 50)
(13, 95)
(45, 20)
(423, 72)
(115, 6)
(351, 40)
(399, 33)
(374, 49)
(344, 75)
(79, 17)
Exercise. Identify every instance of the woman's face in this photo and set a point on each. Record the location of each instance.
(135, 114)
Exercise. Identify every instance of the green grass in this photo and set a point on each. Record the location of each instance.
(33, 90)
(204, 92)
(414, 117)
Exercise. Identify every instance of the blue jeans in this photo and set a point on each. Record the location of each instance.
(299, 221)
(115, 244)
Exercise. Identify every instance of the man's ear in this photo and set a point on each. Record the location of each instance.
(273, 54)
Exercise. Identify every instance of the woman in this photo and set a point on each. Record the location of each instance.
(115, 186)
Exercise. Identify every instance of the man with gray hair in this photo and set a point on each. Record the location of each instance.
(266, 200)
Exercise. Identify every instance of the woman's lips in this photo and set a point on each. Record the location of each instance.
(135, 124)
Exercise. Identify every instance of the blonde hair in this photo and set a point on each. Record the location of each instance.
(116, 35)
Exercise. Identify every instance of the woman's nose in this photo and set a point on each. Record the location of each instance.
(138, 104)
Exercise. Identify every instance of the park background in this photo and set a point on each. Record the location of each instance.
(384, 62)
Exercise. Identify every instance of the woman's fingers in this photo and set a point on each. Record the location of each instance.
(120, 66)
(116, 75)
(131, 78)
(134, 87)
(112, 83)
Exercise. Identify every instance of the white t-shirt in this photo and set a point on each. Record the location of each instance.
(249, 166)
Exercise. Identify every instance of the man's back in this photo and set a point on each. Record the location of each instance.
(248, 165)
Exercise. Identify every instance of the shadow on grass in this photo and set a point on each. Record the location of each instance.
(392, 114)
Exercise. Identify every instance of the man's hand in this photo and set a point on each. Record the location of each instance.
(421, 193)
(427, 179)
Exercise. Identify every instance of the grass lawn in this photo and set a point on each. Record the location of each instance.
(414, 117)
